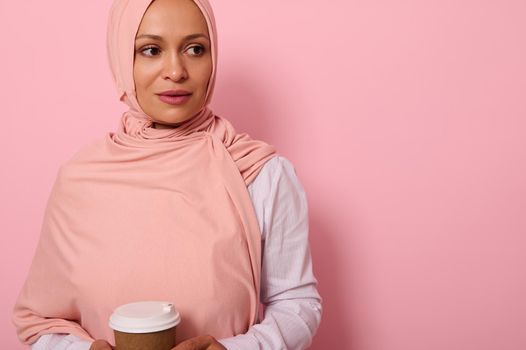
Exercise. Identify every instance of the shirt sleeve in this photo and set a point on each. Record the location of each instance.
(60, 341)
(288, 287)
(292, 305)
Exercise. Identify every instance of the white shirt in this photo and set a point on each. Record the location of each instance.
(288, 287)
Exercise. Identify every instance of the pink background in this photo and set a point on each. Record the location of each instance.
(405, 120)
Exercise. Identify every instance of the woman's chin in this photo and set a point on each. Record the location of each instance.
(170, 123)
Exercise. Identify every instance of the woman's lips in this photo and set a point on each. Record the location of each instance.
(175, 100)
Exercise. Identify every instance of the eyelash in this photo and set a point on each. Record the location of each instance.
(202, 48)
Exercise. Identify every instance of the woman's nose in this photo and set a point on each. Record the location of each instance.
(174, 68)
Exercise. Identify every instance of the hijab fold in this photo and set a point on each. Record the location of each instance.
(149, 214)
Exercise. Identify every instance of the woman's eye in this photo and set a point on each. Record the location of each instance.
(200, 50)
(150, 51)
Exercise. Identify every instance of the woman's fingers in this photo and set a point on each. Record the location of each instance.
(202, 342)
(197, 343)
(100, 344)
(216, 346)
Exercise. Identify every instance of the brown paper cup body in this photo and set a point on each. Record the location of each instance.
(162, 340)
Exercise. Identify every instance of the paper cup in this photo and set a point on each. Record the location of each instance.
(145, 325)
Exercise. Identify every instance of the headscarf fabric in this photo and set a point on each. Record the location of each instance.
(149, 214)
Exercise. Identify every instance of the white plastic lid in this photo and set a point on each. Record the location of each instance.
(144, 317)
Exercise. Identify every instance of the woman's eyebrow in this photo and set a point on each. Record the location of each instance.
(160, 38)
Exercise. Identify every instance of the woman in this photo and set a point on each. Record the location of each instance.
(175, 205)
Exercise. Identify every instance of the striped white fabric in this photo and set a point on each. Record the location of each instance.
(288, 287)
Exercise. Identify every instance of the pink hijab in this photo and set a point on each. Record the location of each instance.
(149, 214)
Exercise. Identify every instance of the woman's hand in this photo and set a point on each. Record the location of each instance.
(203, 342)
(100, 344)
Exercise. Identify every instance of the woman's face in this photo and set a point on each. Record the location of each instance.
(172, 52)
